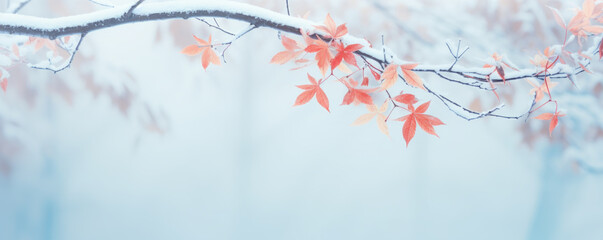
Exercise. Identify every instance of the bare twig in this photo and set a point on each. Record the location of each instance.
(237, 36)
(14, 8)
(131, 9)
(458, 55)
(101, 4)
(216, 26)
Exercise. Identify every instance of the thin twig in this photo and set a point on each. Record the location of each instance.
(215, 26)
(101, 4)
(18, 7)
(237, 36)
(129, 12)
(68, 62)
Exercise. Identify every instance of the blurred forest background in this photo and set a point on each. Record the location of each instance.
(137, 141)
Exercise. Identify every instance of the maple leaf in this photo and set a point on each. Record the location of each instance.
(39, 43)
(406, 98)
(389, 76)
(580, 25)
(411, 77)
(543, 60)
(346, 53)
(499, 69)
(205, 48)
(323, 55)
(356, 95)
(588, 8)
(375, 74)
(332, 29)
(554, 117)
(365, 81)
(542, 90)
(558, 18)
(374, 111)
(418, 116)
(292, 51)
(492, 87)
(310, 91)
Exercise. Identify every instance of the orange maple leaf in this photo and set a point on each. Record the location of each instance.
(332, 29)
(406, 98)
(292, 51)
(346, 53)
(311, 90)
(542, 90)
(418, 116)
(356, 95)
(554, 117)
(410, 76)
(323, 55)
(543, 60)
(208, 54)
(389, 76)
(374, 111)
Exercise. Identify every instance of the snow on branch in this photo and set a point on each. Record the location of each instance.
(140, 11)
(259, 17)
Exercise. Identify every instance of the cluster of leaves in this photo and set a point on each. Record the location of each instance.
(341, 62)
(584, 24)
(331, 53)
(205, 48)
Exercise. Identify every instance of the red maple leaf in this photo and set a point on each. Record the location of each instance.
(406, 98)
(332, 29)
(204, 47)
(355, 95)
(418, 116)
(311, 90)
(346, 53)
(554, 117)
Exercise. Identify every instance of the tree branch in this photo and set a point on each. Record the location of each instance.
(16, 7)
(258, 17)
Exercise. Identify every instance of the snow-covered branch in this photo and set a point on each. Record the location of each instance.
(260, 17)
(141, 11)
